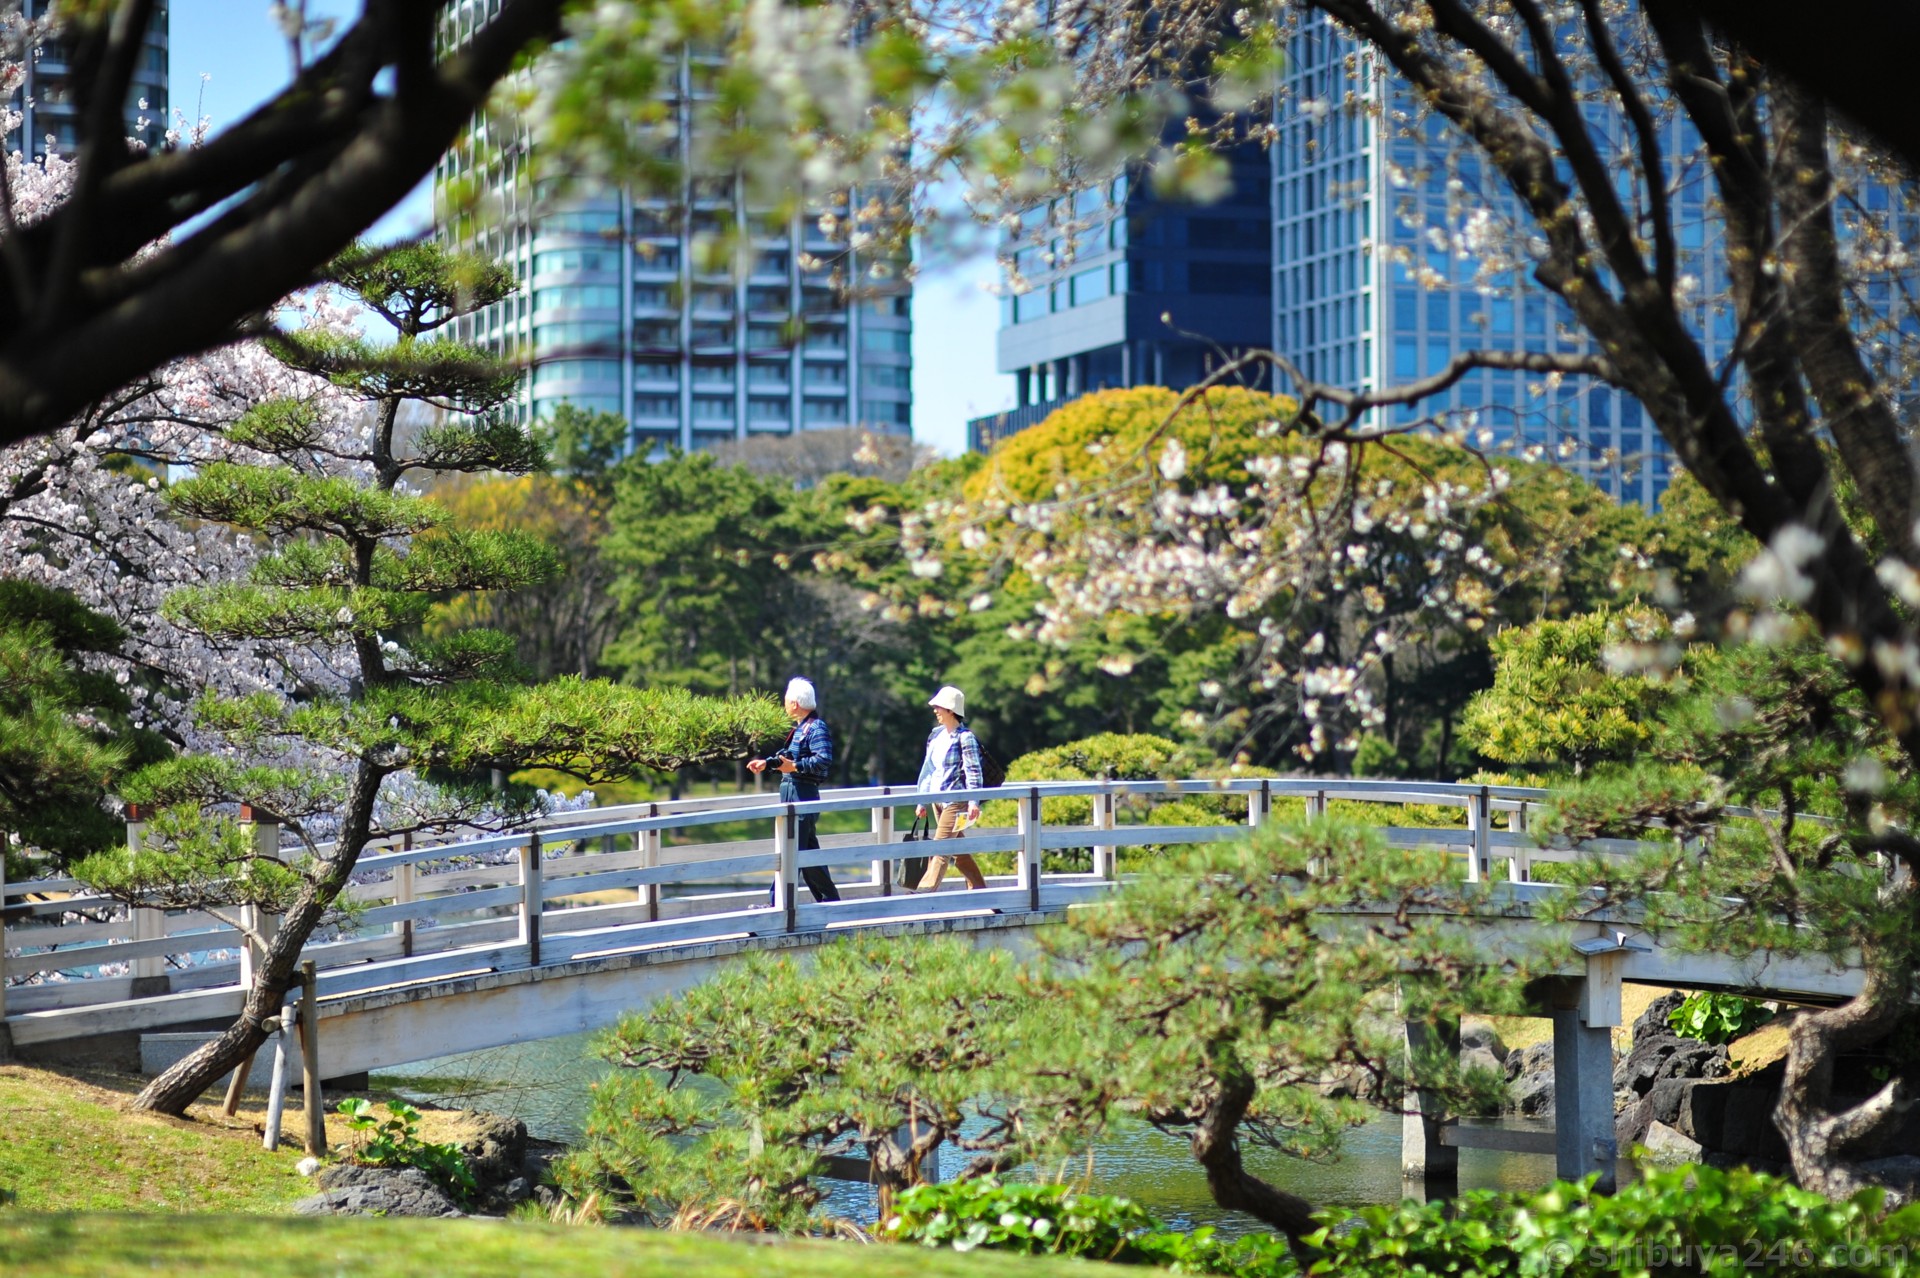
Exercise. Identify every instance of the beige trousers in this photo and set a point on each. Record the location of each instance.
(946, 826)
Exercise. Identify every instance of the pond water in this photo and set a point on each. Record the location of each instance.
(545, 1084)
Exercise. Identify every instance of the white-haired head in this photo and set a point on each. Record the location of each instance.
(801, 693)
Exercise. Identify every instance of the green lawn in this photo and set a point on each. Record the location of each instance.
(89, 1246)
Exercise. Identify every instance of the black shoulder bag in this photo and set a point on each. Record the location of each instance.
(907, 870)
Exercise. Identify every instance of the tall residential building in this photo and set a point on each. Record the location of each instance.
(627, 305)
(1118, 287)
(49, 117)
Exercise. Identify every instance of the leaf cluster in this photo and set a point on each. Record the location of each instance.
(395, 1142)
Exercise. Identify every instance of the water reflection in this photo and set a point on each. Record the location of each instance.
(545, 1084)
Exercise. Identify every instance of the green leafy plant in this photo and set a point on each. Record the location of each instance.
(394, 1141)
(1693, 1219)
(1062, 1221)
(1717, 1018)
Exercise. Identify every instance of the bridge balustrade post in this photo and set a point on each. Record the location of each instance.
(1479, 817)
(531, 875)
(403, 895)
(6, 1045)
(1316, 810)
(266, 844)
(1260, 805)
(1105, 855)
(786, 868)
(883, 833)
(1030, 846)
(148, 924)
(1520, 864)
(648, 844)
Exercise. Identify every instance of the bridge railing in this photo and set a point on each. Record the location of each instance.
(586, 884)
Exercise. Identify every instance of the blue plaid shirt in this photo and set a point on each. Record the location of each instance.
(810, 746)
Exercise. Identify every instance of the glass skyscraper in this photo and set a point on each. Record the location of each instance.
(1383, 222)
(631, 305)
(1119, 287)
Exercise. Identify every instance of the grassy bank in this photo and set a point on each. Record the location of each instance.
(86, 1246)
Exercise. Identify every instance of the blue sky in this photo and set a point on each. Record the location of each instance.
(236, 46)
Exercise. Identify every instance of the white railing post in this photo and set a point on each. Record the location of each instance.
(648, 845)
(1260, 805)
(1316, 805)
(1477, 822)
(883, 833)
(1105, 858)
(531, 872)
(266, 843)
(786, 868)
(148, 924)
(1030, 846)
(403, 895)
(1520, 864)
(6, 1045)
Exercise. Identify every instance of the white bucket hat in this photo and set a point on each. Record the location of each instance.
(950, 698)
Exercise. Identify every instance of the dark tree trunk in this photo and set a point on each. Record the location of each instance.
(183, 1082)
(1216, 1147)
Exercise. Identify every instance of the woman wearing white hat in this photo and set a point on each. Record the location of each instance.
(952, 763)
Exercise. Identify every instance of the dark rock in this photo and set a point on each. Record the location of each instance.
(1653, 1020)
(1734, 1118)
(495, 1147)
(1662, 1056)
(1632, 1122)
(1900, 1174)
(517, 1190)
(1482, 1037)
(351, 1190)
(1530, 1081)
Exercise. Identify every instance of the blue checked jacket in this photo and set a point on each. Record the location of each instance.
(810, 746)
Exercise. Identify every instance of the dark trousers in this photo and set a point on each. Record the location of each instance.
(818, 881)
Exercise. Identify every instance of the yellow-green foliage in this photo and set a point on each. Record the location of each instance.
(1106, 433)
(1554, 698)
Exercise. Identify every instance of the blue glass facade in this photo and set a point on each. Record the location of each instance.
(1385, 228)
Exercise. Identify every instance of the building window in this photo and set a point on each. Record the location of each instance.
(767, 298)
(896, 340)
(766, 337)
(656, 257)
(767, 373)
(713, 334)
(582, 223)
(572, 260)
(819, 412)
(709, 298)
(887, 376)
(656, 333)
(565, 336)
(561, 371)
(656, 370)
(577, 297)
(1027, 306)
(1090, 286)
(712, 408)
(544, 408)
(765, 408)
(712, 374)
(825, 374)
(656, 406)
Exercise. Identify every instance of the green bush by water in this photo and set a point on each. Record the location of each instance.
(1700, 1220)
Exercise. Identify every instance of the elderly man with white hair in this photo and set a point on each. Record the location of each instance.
(804, 760)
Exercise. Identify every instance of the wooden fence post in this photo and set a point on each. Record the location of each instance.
(530, 897)
(1478, 819)
(148, 924)
(786, 871)
(1520, 864)
(403, 888)
(1030, 846)
(648, 845)
(1105, 855)
(266, 843)
(310, 1059)
(883, 833)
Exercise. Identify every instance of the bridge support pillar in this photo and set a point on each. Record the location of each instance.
(1423, 1155)
(1583, 1098)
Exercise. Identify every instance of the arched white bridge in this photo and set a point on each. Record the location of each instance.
(567, 924)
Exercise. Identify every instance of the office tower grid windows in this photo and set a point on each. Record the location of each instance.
(49, 116)
(633, 297)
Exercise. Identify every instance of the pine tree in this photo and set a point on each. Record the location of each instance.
(410, 735)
